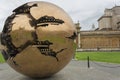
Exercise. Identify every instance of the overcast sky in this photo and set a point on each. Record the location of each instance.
(87, 12)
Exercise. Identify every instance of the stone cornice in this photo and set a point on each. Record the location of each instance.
(104, 17)
(90, 33)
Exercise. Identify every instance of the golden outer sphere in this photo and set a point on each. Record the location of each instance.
(42, 39)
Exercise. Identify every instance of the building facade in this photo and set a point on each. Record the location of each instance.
(106, 36)
(110, 20)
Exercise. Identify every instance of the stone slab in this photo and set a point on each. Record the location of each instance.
(75, 70)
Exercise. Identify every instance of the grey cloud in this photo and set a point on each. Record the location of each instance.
(86, 11)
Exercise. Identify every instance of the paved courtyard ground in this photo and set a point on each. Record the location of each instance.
(75, 70)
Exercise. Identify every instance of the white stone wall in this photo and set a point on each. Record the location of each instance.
(115, 20)
(116, 10)
(105, 23)
(108, 12)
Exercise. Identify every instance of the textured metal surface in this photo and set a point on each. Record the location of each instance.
(38, 39)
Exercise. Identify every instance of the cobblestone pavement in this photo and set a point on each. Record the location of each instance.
(75, 70)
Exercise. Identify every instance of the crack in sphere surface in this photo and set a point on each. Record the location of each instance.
(38, 39)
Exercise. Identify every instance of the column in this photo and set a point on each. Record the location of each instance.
(78, 33)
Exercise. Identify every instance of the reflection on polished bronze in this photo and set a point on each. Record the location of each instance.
(38, 39)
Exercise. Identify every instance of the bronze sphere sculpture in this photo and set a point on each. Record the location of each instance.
(38, 39)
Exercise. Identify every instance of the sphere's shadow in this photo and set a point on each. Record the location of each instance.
(54, 77)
